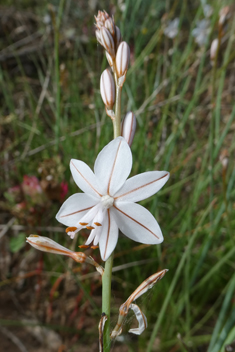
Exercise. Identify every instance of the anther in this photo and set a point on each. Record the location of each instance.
(83, 246)
(90, 227)
(83, 223)
(94, 247)
(97, 224)
(71, 229)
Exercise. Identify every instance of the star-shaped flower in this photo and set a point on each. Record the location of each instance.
(108, 201)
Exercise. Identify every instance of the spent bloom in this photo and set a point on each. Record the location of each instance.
(108, 201)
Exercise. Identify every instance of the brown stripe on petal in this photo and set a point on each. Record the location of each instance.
(75, 212)
(133, 190)
(86, 180)
(110, 178)
(137, 222)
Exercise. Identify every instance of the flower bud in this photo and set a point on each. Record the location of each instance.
(118, 37)
(107, 41)
(98, 36)
(110, 60)
(45, 244)
(110, 25)
(107, 89)
(122, 59)
(129, 127)
(214, 49)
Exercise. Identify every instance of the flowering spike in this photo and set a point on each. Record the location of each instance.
(122, 59)
(107, 89)
(128, 127)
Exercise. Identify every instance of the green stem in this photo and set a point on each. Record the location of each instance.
(107, 276)
(117, 120)
(106, 300)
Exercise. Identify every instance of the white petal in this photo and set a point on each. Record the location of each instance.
(85, 178)
(142, 320)
(74, 208)
(109, 235)
(91, 237)
(142, 186)
(113, 165)
(137, 223)
(89, 216)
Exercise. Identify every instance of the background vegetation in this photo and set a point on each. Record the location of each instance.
(51, 111)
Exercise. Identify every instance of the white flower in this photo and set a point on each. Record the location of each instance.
(172, 28)
(201, 32)
(108, 201)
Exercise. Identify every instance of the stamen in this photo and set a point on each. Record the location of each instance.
(97, 224)
(83, 246)
(71, 229)
(90, 227)
(83, 223)
(94, 247)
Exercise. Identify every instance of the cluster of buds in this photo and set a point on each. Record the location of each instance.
(118, 56)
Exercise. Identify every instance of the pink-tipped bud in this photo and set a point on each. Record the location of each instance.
(107, 41)
(214, 49)
(118, 37)
(122, 59)
(129, 127)
(107, 89)
(110, 25)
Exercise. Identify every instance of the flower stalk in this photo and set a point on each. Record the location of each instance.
(107, 276)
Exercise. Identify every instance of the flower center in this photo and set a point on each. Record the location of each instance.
(107, 201)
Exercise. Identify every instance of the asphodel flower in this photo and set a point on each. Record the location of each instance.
(108, 201)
